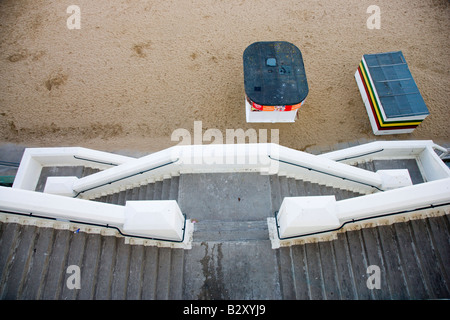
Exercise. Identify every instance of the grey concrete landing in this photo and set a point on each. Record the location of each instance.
(235, 206)
(226, 206)
(62, 171)
(225, 196)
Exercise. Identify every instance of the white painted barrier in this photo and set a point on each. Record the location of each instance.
(158, 221)
(305, 166)
(62, 186)
(64, 208)
(303, 215)
(402, 199)
(178, 160)
(310, 218)
(157, 218)
(388, 150)
(263, 158)
(431, 166)
(34, 159)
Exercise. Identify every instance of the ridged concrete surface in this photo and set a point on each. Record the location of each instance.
(413, 257)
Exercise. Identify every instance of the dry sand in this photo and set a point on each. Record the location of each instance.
(138, 70)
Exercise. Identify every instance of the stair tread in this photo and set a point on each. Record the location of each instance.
(165, 189)
(157, 191)
(174, 186)
(149, 192)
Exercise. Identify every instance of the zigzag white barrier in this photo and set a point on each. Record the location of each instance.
(156, 222)
(121, 172)
(263, 158)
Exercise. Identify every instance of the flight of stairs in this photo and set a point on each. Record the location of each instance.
(166, 189)
(249, 223)
(110, 268)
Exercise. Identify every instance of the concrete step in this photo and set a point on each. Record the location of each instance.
(157, 190)
(292, 186)
(165, 189)
(176, 274)
(284, 187)
(174, 186)
(163, 273)
(287, 279)
(169, 274)
(275, 193)
(135, 193)
(149, 191)
(143, 192)
(304, 188)
(121, 197)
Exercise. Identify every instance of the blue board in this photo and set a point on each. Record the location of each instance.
(395, 86)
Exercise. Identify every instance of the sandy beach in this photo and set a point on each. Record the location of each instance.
(136, 71)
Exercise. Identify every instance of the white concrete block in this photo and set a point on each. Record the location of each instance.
(62, 208)
(393, 179)
(157, 218)
(302, 215)
(62, 186)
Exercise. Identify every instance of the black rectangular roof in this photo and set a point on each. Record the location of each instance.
(274, 73)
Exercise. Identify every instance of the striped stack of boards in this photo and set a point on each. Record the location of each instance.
(390, 94)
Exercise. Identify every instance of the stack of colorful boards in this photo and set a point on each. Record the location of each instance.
(390, 94)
